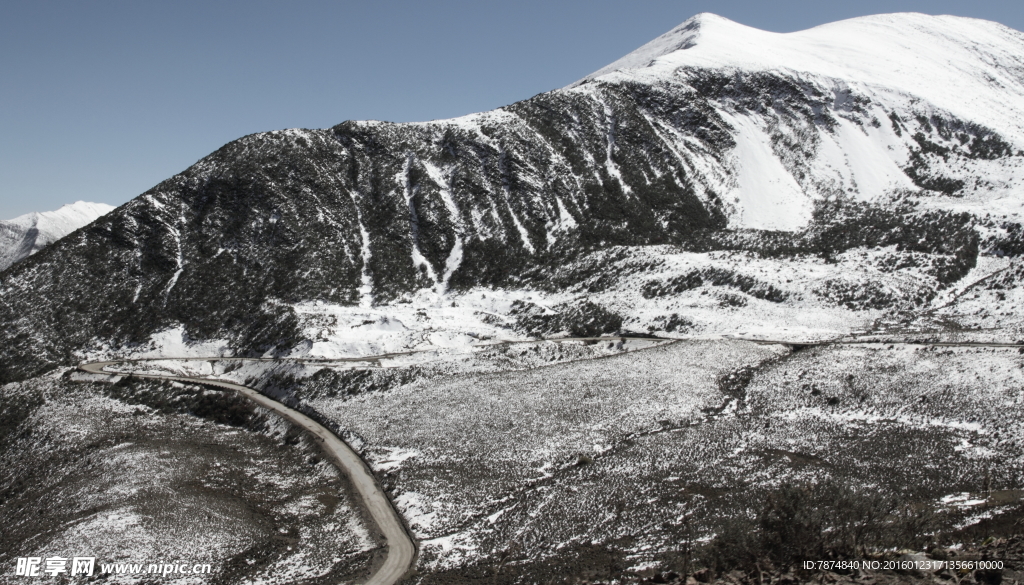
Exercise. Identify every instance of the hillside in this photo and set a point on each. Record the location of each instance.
(710, 145)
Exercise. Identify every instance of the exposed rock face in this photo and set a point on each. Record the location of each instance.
(680, 143)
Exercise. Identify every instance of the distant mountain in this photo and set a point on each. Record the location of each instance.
(715, 178)
(27, 234)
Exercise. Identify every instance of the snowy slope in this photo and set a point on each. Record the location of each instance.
(969, 67)
(27, 234)
(871, 67)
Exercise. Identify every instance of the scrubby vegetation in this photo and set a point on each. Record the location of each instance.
(821, 521)
(220, 406)
(583, 319)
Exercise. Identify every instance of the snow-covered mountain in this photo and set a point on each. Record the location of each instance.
(27, 234)
(745, 193)
(968, 67)
(717, 179)
(861, 107)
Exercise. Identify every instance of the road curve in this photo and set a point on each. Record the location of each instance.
(401, 550)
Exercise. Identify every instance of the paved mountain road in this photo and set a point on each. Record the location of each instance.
(401, 550)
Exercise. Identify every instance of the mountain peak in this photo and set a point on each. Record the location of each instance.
(680, 38)
(871, 38)
(965, 66)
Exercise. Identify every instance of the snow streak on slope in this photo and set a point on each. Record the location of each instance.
(27, 234)
(768, 195)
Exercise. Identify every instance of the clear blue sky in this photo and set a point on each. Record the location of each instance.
(102, 100)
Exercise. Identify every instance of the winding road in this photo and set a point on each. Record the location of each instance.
(401, 549)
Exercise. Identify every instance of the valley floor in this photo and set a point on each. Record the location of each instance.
(572, 460)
